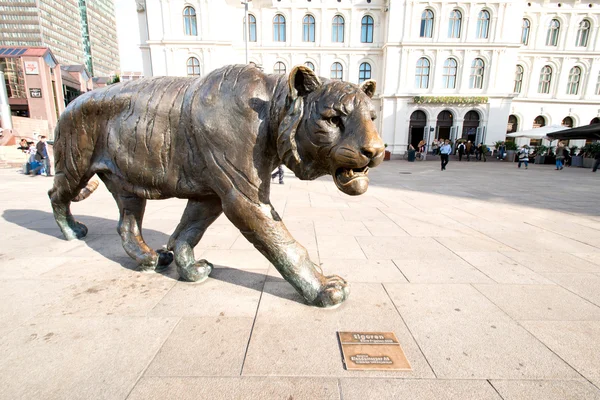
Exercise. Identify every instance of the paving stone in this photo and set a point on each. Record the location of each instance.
(290, 338)
(363, 271)
(440, 271)
(422, 389)
(465, 336)
(540, 302)
(339, 247)
(28, 266)
(576, 342)
(552, 262)
(244, 388)
(408, 248)
(547, 390)
(502, 269)
(79, 358)
(472, 244)
(204, 347)
(236, 259)
(585, 285)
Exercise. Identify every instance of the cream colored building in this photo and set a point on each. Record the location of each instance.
(444, 69)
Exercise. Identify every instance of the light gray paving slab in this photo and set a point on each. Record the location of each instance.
(328, 228)
(358, 271)
(547, 390)
(576, 342)
(465, 336)
(227, 292)
(594, 258)
(585, 285)
(502, 269)
(472, 244)
(339, 247)
(240, 388)
(440, 271)
(204, 346)
(291, 339)
(552, 261)
(79, 358)
(404, 247)
(540, 302)
(422, 389)
(28, 266)
(236, 259)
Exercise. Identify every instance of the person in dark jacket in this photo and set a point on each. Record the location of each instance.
(597, 162)
(42, 156)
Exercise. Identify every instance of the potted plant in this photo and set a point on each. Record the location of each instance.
(589, 152)
(540, 154)
(388, 154)
(497, 147)
(576, 160)
(511, 150)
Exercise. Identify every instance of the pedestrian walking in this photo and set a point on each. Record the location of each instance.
(461, 151)
(469, 149)
(278, 172)
(524, 156)
(597, 162)
(445, 151)
(560, 155)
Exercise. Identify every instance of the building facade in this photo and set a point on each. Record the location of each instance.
(444, 69)
(77, 31)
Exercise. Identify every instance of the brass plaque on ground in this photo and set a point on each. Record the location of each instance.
(372, 351)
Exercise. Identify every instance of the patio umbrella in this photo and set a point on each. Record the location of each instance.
(581, 132)
(537, 133)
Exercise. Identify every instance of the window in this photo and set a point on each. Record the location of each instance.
(426, 24)
(193, 66)
(422, 74)
(598, 86)
(476, 78)
(366, 33)
(337, 71)
(308, 28)
(553, 31)
(364, 72)
(279, 28)
(583, 33)
(518, 79)
(483, 24)
(574, 79)
(525, 31)
(454, 24)
(251, 28)
(279, 68)
(449, 74)
(545, 79)
(189, 21)
(310, 65)
(337, 29)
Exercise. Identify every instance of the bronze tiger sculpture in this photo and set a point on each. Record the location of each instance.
(215, 141)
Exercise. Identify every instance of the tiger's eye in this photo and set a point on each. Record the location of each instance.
(335, 120)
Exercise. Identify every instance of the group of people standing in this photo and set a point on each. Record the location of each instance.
(37, 159)
(470, 149)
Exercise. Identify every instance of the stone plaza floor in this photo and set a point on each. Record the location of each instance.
(488, 275)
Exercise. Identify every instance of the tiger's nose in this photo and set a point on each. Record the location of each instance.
(373, 151)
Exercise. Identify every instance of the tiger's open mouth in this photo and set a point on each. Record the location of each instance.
(352, 181)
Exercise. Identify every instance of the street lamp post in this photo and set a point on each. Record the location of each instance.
(246, 33)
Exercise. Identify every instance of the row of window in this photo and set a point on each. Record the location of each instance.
(455, 24)
(553, 33)
(336, 70)
(545, 82)
(449, 73)
(279, 27)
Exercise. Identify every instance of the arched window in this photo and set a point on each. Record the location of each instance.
(476, 78)
(422, 74)
(454, 24)
(574, 79)
(583, 33)
(337, 29)
(279, 28)
(449, 73)
(426, 24)
(310, 65)
(193, 66)
(483, 24)
(251, 28)
(279, 68)
(568, 122)
(337, 71)
(525, 31)
(364, 72)
(598, 86)
(189, 21)
(539, 122)
(518, 79)
(366, 33)
(308, 28)
(545, 79)
(553, 32)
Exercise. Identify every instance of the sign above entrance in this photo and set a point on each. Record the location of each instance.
(450, 99)
(35, 93)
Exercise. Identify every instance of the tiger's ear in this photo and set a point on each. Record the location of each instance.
(368, 87)
(302, 81)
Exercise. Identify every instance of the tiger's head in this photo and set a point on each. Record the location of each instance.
(328, 128)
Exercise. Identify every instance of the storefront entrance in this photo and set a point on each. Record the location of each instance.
(444, 124)
(470, 126)
(418, 121)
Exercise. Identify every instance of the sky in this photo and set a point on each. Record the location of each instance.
(128, 35)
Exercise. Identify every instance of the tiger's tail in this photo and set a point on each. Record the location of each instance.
(87, 190)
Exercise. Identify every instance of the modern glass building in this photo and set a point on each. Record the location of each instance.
(77, 31)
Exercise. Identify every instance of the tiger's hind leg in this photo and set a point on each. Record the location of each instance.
(131, 210)
(61, 194)
(197, 217)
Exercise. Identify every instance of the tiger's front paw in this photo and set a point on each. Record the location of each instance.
(332, 293)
